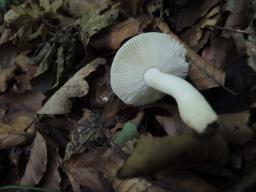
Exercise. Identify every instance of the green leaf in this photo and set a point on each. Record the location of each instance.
(128, 132)
(45, 4)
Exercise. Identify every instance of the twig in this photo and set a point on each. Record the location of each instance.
(231, 30)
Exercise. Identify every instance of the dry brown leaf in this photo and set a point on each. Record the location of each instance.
(78, 7)
(173, 125)
(7, 65)
(235, 129)
(36, 165)
(10, 140)
(83, 170)
(30, 101)
(189, 14)
(197, 36)
(201, 73)
(105, 161)
(52, 178)
(18, 123)
(160, 153)
(59, 102)
(113, 38)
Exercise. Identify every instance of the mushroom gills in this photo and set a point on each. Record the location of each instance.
(194, 110)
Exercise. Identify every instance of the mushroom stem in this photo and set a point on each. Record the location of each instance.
(194, 110)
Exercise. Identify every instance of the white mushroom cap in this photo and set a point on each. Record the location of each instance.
(151, 64)
(139, 54)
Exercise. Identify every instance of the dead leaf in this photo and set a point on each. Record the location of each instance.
(77, 7)
(239, 17)
(173, 125)
(83, 170)
(18, 123)
(52, 178)
(219, 52)
(113, 38)
(36, 165)
(59, 102)
(10, 140)
(97, 18)
(188, 15)
(235, 129)
(153, 154)
(30, 101)
(86, 135)
(7, 64)
(201, 73)
(197, 36)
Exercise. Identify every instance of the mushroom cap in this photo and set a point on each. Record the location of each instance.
(140, 53)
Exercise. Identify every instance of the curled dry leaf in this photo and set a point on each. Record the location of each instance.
(36, 165)
(235, 129)
(201, 73)
(59, 102)
(113, 38)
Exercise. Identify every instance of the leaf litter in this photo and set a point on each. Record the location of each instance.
(62, 127)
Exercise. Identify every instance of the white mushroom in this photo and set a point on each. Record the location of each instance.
(153, 64)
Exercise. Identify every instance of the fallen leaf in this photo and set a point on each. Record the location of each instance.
(189, 14)
(113, 38)
(84, 170)
(7, 65)
(77, 7)
(173, 125)
(59, 102)
(235, 129)
(239, 16)
(36, 165)
(87, 135)
(52, 178)
(97, 18)
(10, 140)
(201, 73)
(153, 154)
(30, 101)
(18, 123)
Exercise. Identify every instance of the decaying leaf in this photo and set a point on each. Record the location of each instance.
(201, 73)
(30, 101)
(18, 123)
(52, 178)
(87, 133)
(153, 154)
(59, 103)
(190, 13)
(98, 17)
(84, 170)
(197, 36)
(7, 64)
(36, 165)
(235, 129)
(113, 38)
(10, 140)
(173, 125)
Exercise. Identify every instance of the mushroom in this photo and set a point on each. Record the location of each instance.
(150, 65)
